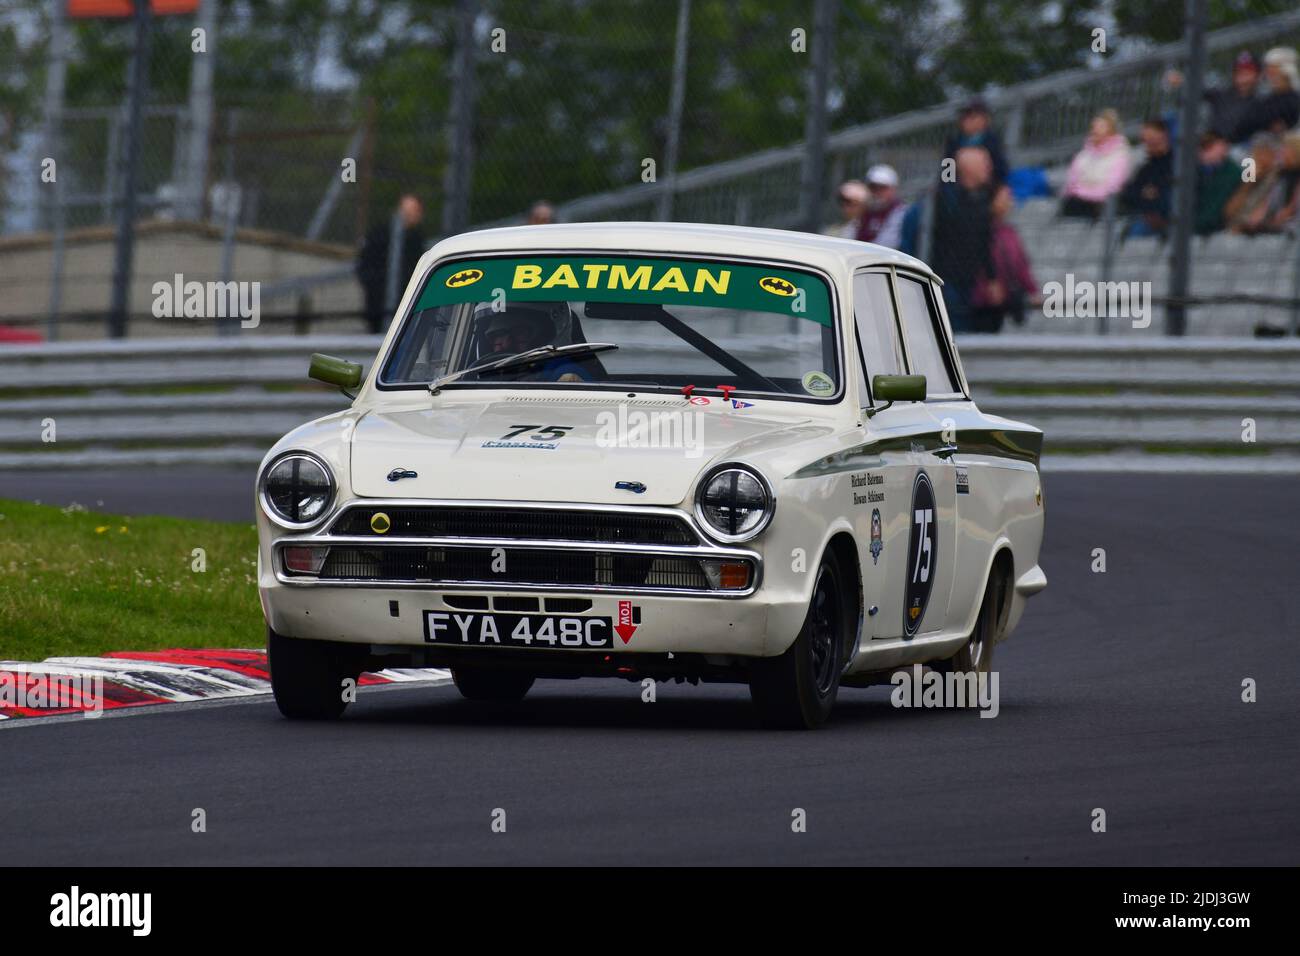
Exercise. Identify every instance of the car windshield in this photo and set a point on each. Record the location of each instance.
(657, 324)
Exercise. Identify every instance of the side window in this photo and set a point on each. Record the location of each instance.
(920, 323)
(873, 312)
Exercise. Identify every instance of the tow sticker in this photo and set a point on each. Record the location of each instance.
(629, 618)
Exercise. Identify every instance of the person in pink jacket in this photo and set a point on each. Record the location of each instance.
(1099, 170)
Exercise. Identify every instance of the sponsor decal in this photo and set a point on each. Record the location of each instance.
(868, 481)
(776, 286)
(545, 437)
(737, 403)
(819, 384)
(963, 482)
(380, 523)
(463, 278)
(645, 279)
(922, 555)
(698, 400)
(876, 544)
(629, 618)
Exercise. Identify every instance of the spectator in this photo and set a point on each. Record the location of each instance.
(1097, 171)
(1256, 202)
(1146, 197)
(372, 260)
(882, 221)
(1217, 178)
(909, 241)
(1231, 105)
(851, 198)
(974, 128)
(963, 248)
(542, 213)
(1279, 110)
(1011, 283)
(1283, 220)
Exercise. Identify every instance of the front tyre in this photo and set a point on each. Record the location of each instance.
(476, 684)
(307, 677)
(797, 690)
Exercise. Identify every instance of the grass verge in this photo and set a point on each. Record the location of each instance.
(73, 582)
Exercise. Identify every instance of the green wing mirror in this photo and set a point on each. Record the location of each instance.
(335, 371)
(897, 388)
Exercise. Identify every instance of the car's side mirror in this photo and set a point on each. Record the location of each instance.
(897, 388)
(334, 371)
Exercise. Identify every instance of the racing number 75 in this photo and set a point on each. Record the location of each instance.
(543, 432)
(925, 518)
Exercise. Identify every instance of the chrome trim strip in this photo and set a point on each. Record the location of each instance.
(536, 544)
(520, 587)
(710, 553)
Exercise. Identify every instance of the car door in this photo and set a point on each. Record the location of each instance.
(882, 490)
(932, 547)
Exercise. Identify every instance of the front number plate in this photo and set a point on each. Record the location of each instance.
(477, 629)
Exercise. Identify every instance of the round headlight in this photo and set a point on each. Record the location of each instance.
(734, 503)
(297, 490)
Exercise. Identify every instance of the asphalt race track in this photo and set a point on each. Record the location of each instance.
(1121, 691)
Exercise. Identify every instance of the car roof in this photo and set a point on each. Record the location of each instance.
(681, 238)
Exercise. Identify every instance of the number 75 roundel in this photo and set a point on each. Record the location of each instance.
(922, 555)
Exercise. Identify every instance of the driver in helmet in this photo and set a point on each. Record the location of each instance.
(516, 330)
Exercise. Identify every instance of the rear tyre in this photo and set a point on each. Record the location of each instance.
(491, 685)
(307, 676)
(976, 655)
(797, 690)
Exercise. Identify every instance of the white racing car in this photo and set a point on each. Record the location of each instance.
(650, 451)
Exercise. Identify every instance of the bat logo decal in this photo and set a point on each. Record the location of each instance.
(776, 286)
(463, 278)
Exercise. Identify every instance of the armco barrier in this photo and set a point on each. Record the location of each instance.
(223, 401)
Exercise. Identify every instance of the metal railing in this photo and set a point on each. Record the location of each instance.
(137, 403)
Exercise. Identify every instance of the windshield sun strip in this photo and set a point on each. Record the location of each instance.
(832, 301)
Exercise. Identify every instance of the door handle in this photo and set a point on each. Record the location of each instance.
(945, 451)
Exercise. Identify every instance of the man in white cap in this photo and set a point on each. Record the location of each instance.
(882, 222)
(1280, 109)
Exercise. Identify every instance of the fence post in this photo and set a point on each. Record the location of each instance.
(1108, 244)
(460, 131)
(1185, 177)
(668, 189)
(194, 175)
(125, 244)
(55, 85)
(812, 182)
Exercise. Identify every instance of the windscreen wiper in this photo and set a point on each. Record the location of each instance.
(525, 358)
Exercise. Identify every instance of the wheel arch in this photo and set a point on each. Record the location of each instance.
(845, 548)
(1002, 564)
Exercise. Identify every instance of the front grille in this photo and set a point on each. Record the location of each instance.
(522, 566)
(441, 521)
